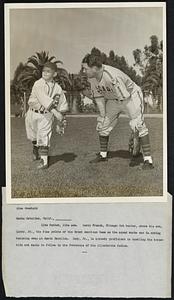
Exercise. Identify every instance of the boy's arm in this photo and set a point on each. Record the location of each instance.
(57, 114)
(59, 106)
(62, 103)
(62, 107)
(46, 101)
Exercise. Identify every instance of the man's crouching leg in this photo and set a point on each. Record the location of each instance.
(145, 145)
(104, 129)
(139, 124)
(43, 152)
(104, 140)
(102, 155)
(35, 151)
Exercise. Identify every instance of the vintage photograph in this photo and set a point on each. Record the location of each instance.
(86, 102)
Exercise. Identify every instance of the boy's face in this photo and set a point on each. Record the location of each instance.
(48, 74)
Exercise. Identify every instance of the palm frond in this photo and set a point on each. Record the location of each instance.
(27, 78)
(62, 72)
(40, 56)
(152, 80)
(33, 56)
(33, 61)
(46, 56)
(58, 62)
(51, 58)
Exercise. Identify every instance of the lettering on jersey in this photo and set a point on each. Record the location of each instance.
(101, 89)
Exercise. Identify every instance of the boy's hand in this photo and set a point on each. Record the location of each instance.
(60, 130)
(64, 123)
(57, 114)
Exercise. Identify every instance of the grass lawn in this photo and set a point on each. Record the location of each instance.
(71, 175)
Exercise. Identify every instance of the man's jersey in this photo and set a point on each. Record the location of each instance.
(43, 94)
(114, 85)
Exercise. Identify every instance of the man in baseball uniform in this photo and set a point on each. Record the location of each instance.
(114, 92)
(46, 101)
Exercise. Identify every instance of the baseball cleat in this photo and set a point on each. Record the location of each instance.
(35, 157)
(133, 162)
(147, 165)
(42, 166)
(98, 159)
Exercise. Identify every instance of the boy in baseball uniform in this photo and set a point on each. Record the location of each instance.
(114, 92)
(46, 101)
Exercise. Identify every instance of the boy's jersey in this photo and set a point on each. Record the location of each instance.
(114, 85)
(43, 94)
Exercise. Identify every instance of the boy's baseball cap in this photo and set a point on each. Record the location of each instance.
(50, 65)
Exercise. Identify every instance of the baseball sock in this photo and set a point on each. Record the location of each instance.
(43, 150)
(45, 159)
(103, 145)
(35, 148)
(34, 143)
(145, 144)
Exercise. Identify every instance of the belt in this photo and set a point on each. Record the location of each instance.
(115, 100)
(119, 100)
(39, 111)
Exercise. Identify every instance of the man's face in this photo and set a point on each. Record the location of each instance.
(48, 74)
(89, 71)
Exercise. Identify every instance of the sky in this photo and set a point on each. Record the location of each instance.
(70, 33)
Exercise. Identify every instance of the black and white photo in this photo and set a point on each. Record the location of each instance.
(86, 102)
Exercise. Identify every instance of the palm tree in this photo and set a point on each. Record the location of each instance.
(64, 79)
(150, 63)
(16, 86)
(39, 59)
(26, 74)
(35, 64)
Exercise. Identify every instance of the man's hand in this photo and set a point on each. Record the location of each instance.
(100, 121)
(101, 104)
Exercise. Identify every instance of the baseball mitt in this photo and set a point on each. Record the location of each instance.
(60, 127)
(134, 144)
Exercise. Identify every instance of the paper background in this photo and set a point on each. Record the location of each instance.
(137, 271)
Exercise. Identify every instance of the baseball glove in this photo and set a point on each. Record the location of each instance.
(134, 144)
(60, 127)
(56, 101)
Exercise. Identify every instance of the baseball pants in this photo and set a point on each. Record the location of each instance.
(133, 107)
(39, 127)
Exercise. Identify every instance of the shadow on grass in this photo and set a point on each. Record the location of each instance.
(135, 161)
(119, 153)
(66, 157)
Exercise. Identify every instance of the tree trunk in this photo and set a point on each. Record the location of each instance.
(74, 104)
(25, 104)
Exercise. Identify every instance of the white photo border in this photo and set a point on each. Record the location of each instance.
(9, 199)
